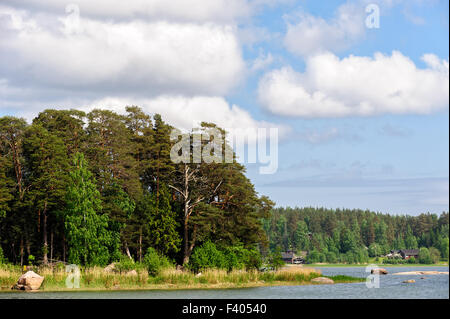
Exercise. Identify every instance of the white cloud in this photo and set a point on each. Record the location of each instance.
(188, 112)
(141, 57)
(309, 34)
(180, 10)
(218, 11)
(262, 61)
(357, 86)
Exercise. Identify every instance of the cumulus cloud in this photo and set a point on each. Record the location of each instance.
(357, 86)
(137, 56)
(307, 34)
(262, 61)
(181, 10)
(219, 11)
(188, 112)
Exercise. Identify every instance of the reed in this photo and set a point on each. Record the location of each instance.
(95, 278)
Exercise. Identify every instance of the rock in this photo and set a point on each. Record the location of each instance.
(198, 275)
(411, 281)
(179, 267)
(132, 273)
(379, 271)
(422, 277)
(110, 268)
(322, 280)
(29, 281)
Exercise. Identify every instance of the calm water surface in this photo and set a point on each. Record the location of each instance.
(391, 286)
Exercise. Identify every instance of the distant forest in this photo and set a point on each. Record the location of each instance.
(93, 188)
(352, 236)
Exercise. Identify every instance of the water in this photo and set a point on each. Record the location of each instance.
(391, 287)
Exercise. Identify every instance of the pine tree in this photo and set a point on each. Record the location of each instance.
(47, 166)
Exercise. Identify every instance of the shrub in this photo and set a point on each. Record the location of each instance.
(276, 260)
(155, 262)
(125, 264)
(253, 259)
(435, 255)
(425, 256)
(412, 260)
(208, 256)
(238, 257)
(313, 257)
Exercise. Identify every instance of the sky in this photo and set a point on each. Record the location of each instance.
(359, 90)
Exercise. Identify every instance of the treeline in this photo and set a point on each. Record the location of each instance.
(90, 188)
(352, 236)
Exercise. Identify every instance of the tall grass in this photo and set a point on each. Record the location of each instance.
(96, 278)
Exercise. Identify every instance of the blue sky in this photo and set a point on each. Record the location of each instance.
(363, 111)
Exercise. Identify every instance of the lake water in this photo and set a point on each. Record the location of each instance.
(391, 286)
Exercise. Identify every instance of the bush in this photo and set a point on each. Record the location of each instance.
(125, 264)
(313, 257)
(425, 256)
(435, 255)
(412, 260)
(331, 257)
(276, 260)
(155, 262)
(208, 256)
(253, 259)
(238, 257)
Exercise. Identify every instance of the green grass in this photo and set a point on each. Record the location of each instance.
(170, 278)
(345, 279)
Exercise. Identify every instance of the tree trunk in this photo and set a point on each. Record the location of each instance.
(186, 243)
(140, 245)
(127, 251)
(51, 246)
(21, 251)
(44, 230)
(64, 248)
(186, 216)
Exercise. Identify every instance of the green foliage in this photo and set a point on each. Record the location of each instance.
(2, 258)
(155, 262)
(90, 239)
(238, 257)
(374, 250)
(425, 256)
(276, 260)
(159, 221)
(435, 255)
(126, 264)
(207, 256)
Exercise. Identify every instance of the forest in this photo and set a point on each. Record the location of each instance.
(91, 188)
(98, 187)
(353, 236)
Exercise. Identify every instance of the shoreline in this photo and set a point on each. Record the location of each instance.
(379, 264)
(172, 287)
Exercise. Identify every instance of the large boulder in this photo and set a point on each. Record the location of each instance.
(322, 280)
(29, 281)
(379, 271)
(132, 273)
(110, 268)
